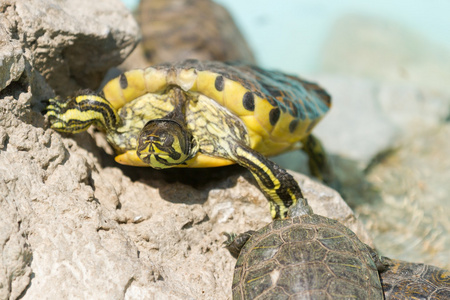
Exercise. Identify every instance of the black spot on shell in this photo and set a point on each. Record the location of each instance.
(274, 115)
(219, 83)
(293, 125)
(249, 101)
(123, 81)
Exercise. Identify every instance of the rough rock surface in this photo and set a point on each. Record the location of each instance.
(72, 45)
(74, 224)
(11, 59)
(408, 215)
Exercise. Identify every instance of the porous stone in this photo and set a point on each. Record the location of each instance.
(71, 44)
(94, 230)
(73, 224)
(409, 217)
(11, 59)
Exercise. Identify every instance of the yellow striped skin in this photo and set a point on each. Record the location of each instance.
(203, 114)
(77, 115)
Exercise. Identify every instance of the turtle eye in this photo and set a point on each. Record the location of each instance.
(168, 140)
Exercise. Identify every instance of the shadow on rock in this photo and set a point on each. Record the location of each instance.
(355, 188)
(197, 182)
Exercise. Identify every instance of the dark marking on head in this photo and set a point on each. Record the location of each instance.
(123, 81)
(249, 101)
(293, 126)
(274, 115)
(219, 83)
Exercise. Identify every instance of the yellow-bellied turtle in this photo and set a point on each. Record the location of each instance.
(305, 256)
(205, 114)
(404, 280)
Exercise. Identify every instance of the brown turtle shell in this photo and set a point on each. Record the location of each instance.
(304, 257)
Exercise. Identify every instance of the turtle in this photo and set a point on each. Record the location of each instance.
(206, 114)
(308, 256)
(305, 256)
(405, 280)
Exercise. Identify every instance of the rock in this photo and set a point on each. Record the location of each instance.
(175, 30)
(11, 59)
(72, 45)
(388, 164)
(94, 230)
(75, 224)
(408, 217)
(356, 101)
(387, 114)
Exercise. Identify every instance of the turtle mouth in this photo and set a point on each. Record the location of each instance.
(158, 156)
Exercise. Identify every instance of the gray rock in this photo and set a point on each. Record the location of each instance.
(75, 225)
(74, 44)
(11, 59)
(368, 118)
(356, 127)
(409, 217)
(96, 231)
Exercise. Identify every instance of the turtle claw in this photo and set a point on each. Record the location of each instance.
(234, 242)
(54, 106)
(231, 236)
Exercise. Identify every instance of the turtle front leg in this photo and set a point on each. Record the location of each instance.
(77, 114)
(279, 187)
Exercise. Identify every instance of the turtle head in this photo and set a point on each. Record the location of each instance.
(164, 143)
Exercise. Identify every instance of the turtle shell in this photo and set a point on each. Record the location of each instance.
(309, 256)
(278, 110)
(404, 280)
